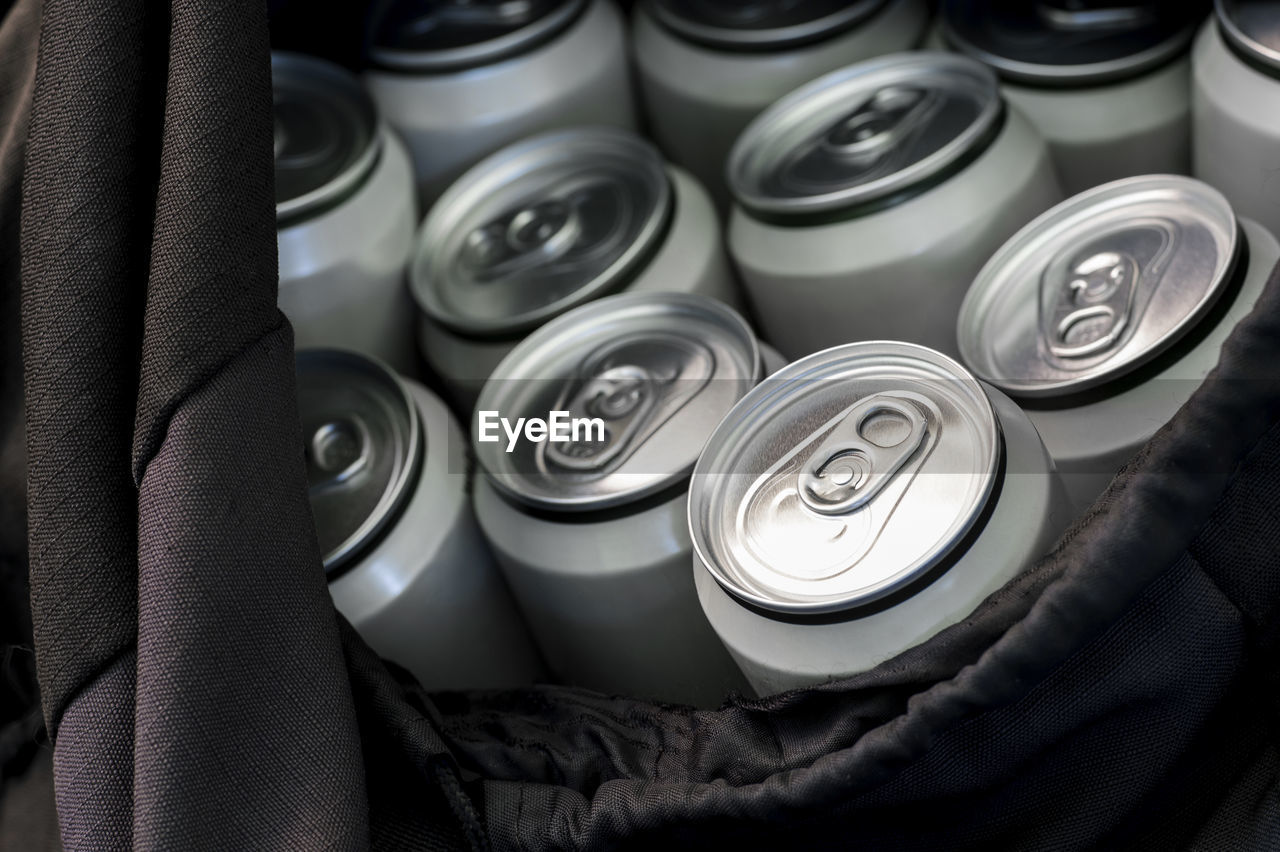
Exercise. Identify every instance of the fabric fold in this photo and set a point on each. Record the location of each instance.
(187, 647)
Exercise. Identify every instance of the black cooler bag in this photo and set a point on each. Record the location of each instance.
(199, 691)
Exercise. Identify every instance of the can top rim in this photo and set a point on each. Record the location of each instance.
(1238, 35)
(1124, 62)
(765, 423)
(544, 365)
(1010, 290)
(374, 382)
(487, 51)
(631, 176)
(677, 17)
(771, 142)
(323, 83)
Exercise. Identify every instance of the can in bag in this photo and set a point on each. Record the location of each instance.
(1236, 107)
(590, 531)
(460, 79)
(858, 502)
(345, 214)
(1106, 84)
(709, 67)
(868, 199)
(406, 562)
(1104, 315)
(548, 224)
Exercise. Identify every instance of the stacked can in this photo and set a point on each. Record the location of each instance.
(860, 501)
(548, 224)
(459, 79)
(406, 563)
(590, 531)
(1106, 84)
(1236, 99)
(1104, 315)
(707, 68)
(868, 200)
(345, 214)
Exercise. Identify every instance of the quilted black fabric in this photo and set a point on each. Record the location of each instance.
(200, 692)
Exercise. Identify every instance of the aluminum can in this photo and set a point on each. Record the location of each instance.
(708, 68)
(548, 224)
(868, 199)
(1236, 108)
(591, 533)
(1103, 316)
(345, 214)
(405, 560)
(1106, 84)
(858, 502)
(460, 79)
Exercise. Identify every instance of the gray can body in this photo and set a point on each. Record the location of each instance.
(1107, 86)
(406, 562)
(1237, 129)
(612, 601)
(593, 537)
(1091, 442)
(1025, 512)
(451, 120)
(690, 259)
(1102, 133)
(342, 272)
(346, 215)
(429, 596)
(898, 273)
(698, 99)
(1104, 315)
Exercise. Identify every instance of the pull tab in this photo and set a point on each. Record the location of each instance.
(623, 397)
(337, 451)
(634, 384)
(881, 123)
(849, 469)
(1094, 307)
(532, 235)
(1092, 15)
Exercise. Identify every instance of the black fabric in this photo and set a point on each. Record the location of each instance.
(201, 693)
(187, 649)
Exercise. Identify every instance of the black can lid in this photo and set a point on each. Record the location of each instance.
(326, 134)
(760, 24)
(450, 35)
(1252, 28)
(364, 440)
(1071, 42)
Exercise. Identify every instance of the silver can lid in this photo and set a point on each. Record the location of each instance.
(364, 443)
(430, 36)
(540, 227)
(760, 24)
(326, 134)
(1071, 42)
(864, 133)
(659, 371)
(1252, 28)
(846, 477)
(1099, 285)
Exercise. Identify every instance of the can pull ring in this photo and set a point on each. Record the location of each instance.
(848, 469)
(1093, 308)
(623, 397)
